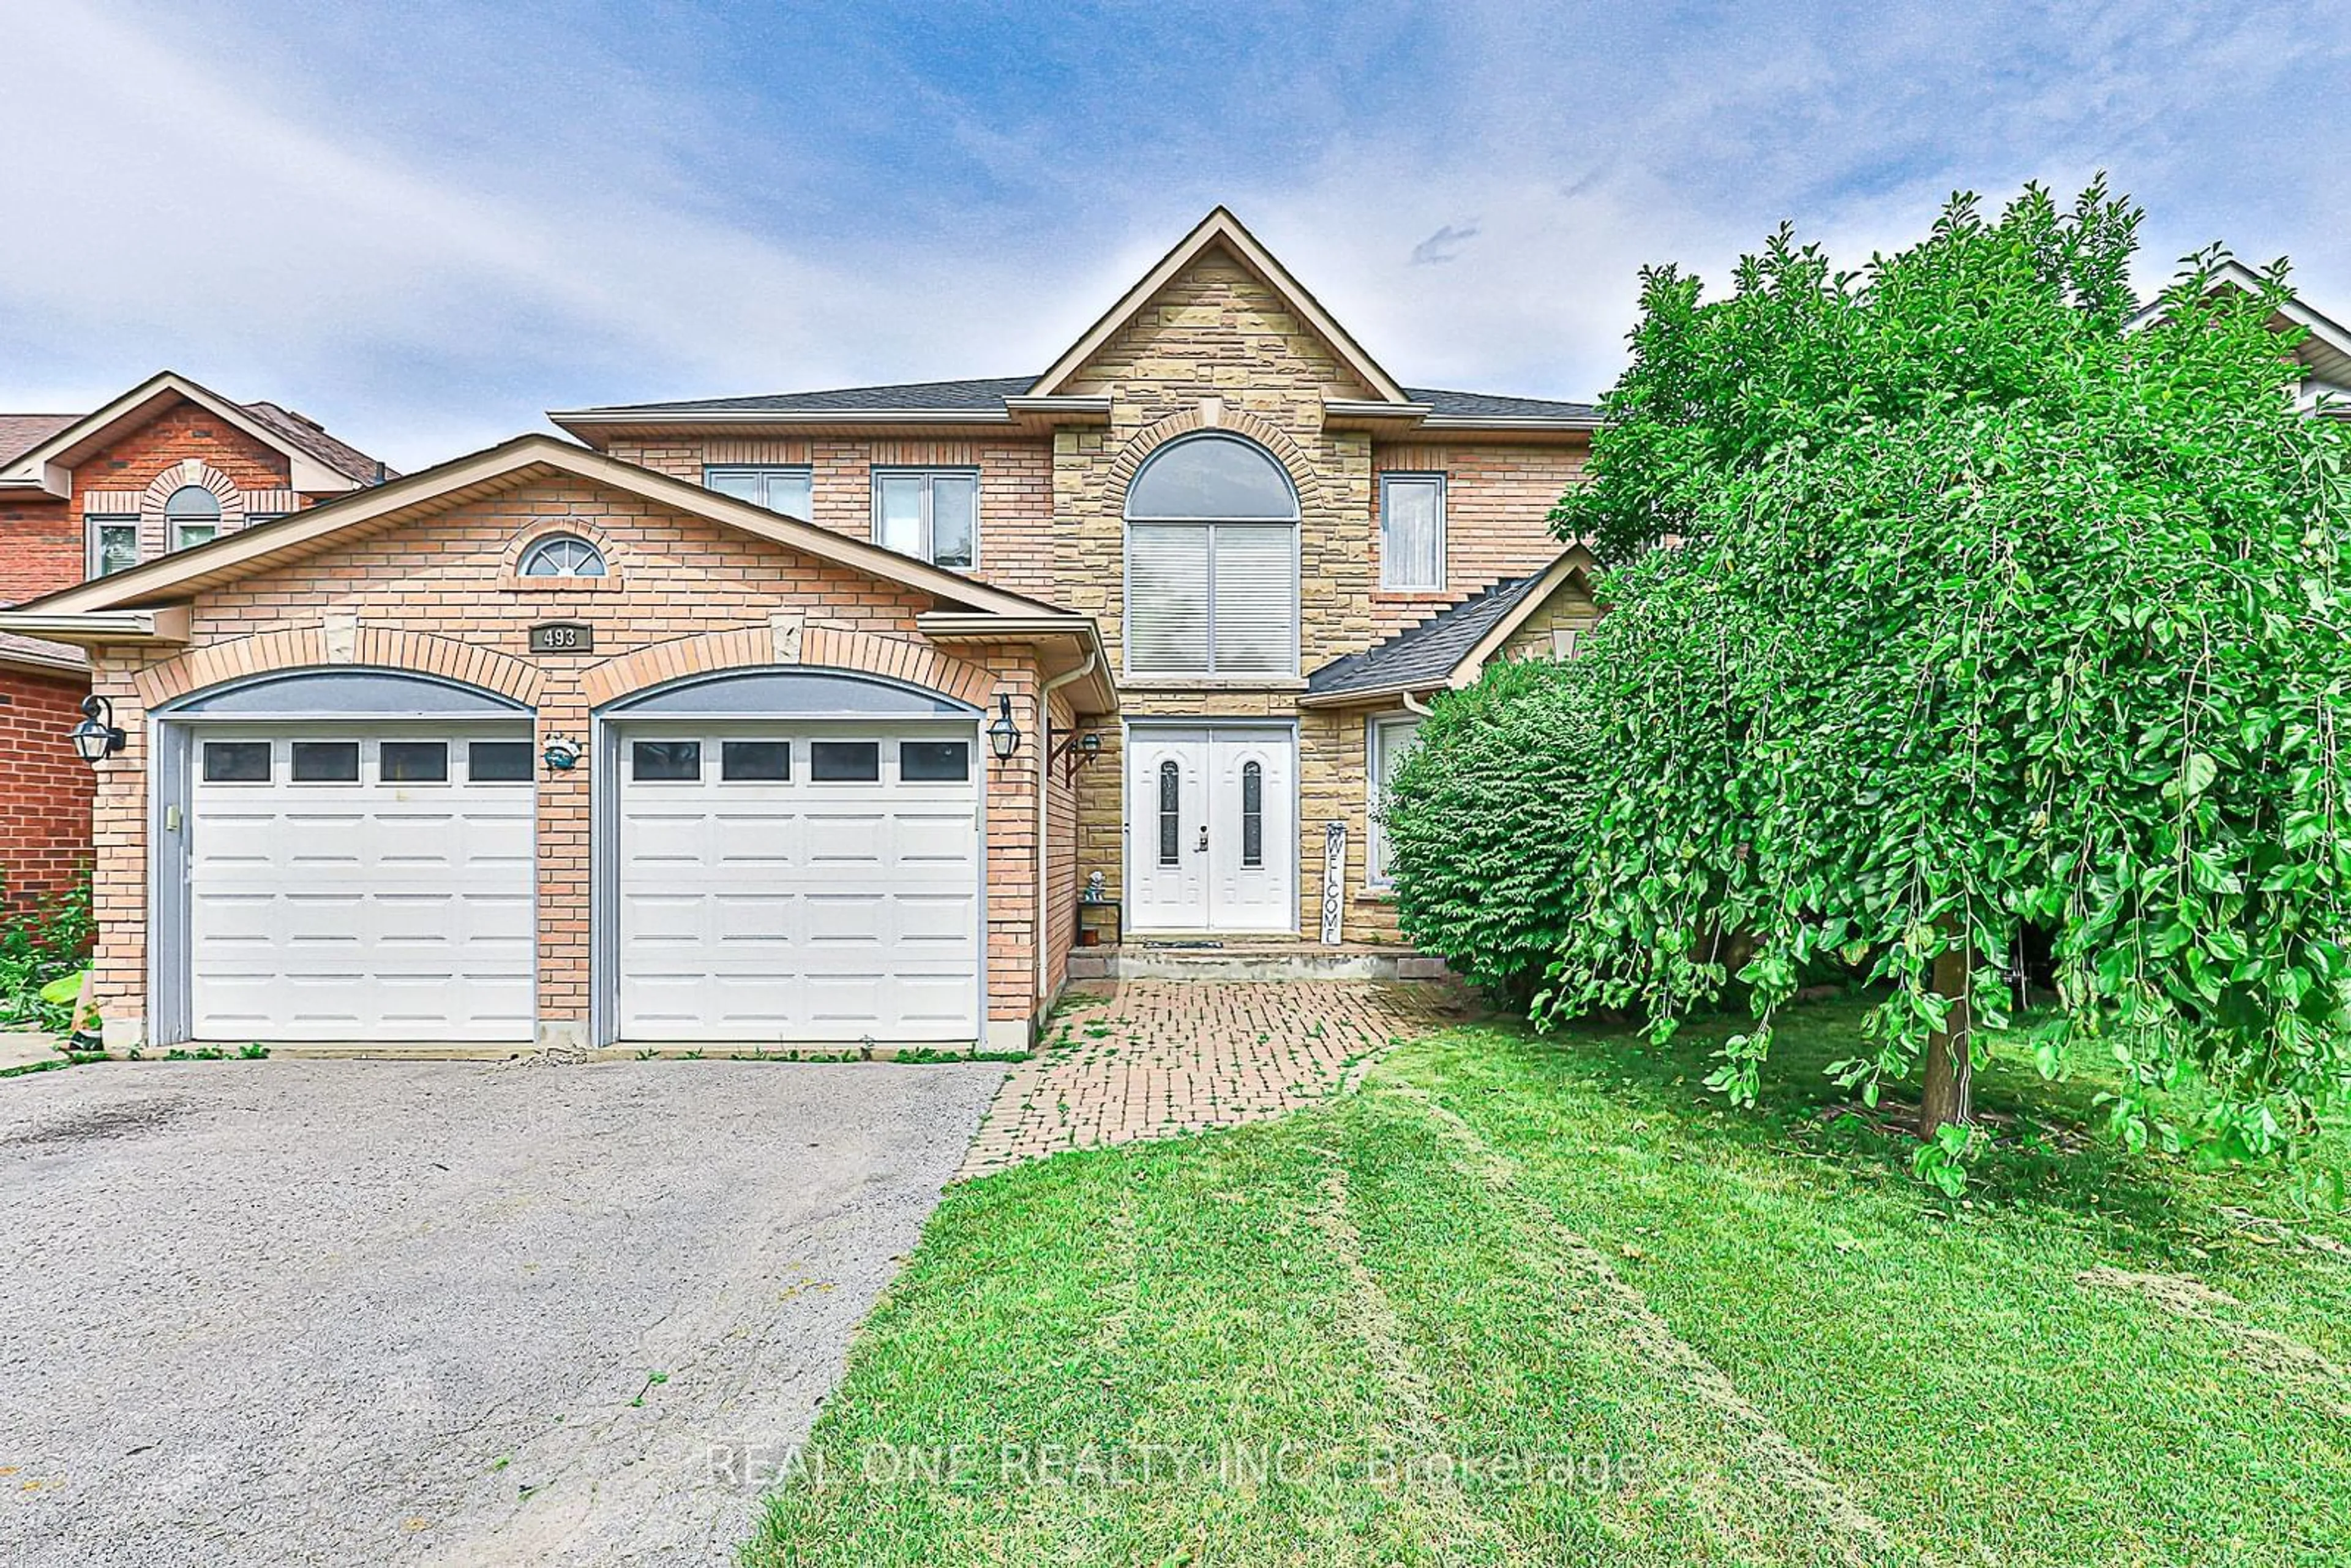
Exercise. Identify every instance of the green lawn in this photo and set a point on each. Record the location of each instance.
(1703, 1335)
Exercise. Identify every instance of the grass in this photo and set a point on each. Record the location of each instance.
(1654, 1332)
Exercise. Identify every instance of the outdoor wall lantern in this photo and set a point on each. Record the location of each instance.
(1073, 750)
(1003, 734)
(561, 756)
(96, 736)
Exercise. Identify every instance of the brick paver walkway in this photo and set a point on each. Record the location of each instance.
(1144, 1059)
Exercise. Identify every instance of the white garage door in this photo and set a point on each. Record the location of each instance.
(361, 885)
(811, 883)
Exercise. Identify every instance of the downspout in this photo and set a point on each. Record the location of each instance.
(1413, 705)
(1044, 783)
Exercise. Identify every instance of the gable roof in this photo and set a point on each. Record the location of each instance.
(2326, 353)
(318, 462)
(224, 559)
(1221, 230)
(1449, 647)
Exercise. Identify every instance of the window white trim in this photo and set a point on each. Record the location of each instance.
(581, 559)
(95, 527)
(1395, 564)
(764, 474)
(1214, 532)
(1378, 743)
(193, 515)
(929, 475)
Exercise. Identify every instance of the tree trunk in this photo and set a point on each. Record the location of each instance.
(1949, 1094)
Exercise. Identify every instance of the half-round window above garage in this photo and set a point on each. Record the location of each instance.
(563, 555)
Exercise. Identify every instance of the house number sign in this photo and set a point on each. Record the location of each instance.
(563, 637)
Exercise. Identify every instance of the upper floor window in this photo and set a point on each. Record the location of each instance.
(789, 488)
(1412, 531)
(1212, 562)
(190, 515)
(563, 555)
(929, 513)
(113, 545)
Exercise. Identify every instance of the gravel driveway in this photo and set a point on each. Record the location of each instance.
(341, 1312)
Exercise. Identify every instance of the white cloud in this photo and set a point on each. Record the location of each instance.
(427, 236)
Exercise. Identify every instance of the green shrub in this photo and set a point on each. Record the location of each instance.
(1480, 818)
(40, 947)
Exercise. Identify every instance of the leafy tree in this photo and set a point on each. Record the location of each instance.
(1944, 605)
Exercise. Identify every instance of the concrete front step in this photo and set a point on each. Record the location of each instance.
(1250, 959)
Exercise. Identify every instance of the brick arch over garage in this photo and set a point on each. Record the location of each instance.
(788, 642)
(314, 647)
(1236, 422)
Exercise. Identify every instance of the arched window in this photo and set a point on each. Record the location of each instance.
(1171, 825)
(191, 515)
(1212, 561)
(563, 555)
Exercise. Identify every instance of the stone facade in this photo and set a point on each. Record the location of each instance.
(1217, 347)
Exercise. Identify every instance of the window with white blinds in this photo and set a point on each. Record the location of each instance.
(1412, 531)
(1212, 599)
(1212, 562)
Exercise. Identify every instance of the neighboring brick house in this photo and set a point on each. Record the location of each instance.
(168, 463)
(800, 721)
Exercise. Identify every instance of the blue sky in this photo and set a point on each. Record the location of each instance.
(426, 223)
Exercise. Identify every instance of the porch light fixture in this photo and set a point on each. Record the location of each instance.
(561, 756)
(1073, 750)
(96, 736)
(1003, 734)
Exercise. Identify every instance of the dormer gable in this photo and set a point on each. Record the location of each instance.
(1190, 278)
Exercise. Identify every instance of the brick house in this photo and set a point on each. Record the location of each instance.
(804, 720)
(167, 464)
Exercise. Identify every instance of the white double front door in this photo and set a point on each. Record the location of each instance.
(1211, 829)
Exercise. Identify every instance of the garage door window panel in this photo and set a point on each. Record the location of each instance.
(236, 762)
(412, 761)
(499, 762)
(934, 761)
(326, 762)
(845, 761)
(754, 762)
(666, 762)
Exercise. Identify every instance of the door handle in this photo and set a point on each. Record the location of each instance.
(1203, 844)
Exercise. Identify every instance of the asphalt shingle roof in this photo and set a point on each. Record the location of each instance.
(985, 394)
(982, 395)
(1425, 654)
(20, 433)
(340, 455)
(1485, 405)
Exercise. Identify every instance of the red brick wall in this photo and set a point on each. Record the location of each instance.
(1016, 490)
(45, 821)
(40, 546)
(1498, 501)
(43, 544)
(175, 436)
